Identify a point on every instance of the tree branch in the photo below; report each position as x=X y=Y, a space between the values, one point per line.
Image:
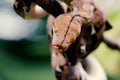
x=111 y=42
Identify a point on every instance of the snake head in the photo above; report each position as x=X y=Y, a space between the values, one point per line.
x=66 y=28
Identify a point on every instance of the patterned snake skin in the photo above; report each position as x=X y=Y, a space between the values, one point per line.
x=75 y=29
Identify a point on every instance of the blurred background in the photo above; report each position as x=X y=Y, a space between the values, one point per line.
x=24 y=47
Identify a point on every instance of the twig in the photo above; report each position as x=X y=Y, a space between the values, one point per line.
x=111 y=42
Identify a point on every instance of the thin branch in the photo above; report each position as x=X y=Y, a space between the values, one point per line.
x=111 y=42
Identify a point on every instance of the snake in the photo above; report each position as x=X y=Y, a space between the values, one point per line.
x=75 y=29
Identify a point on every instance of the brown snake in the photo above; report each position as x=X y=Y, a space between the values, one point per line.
x=73 y=34
x=76 y=34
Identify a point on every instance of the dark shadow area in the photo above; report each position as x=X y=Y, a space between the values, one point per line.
x=26 y=50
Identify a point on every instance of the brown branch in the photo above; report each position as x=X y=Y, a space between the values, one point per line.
x=111 y=42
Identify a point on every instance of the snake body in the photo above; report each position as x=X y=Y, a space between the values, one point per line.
x=75 y=29
x=75 y=35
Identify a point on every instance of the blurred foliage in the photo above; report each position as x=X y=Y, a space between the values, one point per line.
x=30 y=59
x=110 y=59
x=25 y=60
